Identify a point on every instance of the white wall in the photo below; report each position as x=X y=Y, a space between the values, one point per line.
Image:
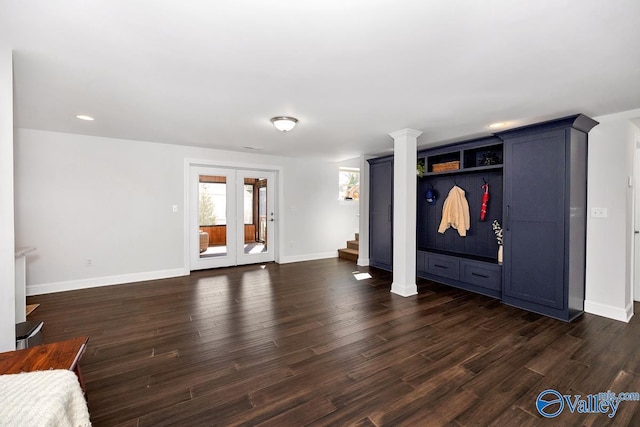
x=350 y=210
x=609 y=240
x=7 y=257
x=636 y=214
x=81 y=197
x=317 y=224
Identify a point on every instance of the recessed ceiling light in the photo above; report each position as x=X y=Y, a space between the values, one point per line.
x=84 y=117
x=497 y=125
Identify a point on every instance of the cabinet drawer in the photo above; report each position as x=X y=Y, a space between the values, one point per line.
x=481 y=274
x=442 y=265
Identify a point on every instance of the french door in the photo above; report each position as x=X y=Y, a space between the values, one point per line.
x=231 y=217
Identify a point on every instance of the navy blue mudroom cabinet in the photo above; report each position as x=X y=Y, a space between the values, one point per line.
x=537 y=176
x=469 y=262
x=545 y=211
x=381 y=213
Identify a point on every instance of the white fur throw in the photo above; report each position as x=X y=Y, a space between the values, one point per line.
x=42 y=398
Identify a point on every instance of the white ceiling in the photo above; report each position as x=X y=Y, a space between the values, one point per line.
x=212 y=73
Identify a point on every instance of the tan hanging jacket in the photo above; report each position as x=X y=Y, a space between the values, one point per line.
x=455 y=212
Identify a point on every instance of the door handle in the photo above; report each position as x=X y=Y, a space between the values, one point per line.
x=480 y=275
x=508 y=220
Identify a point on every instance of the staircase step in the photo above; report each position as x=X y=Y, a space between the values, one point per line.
x=353 y=244
x=349 y=254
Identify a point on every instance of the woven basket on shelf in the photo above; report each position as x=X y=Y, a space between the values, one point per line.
x=446 y=166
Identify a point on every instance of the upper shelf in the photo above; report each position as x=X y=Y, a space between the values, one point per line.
x=464 y=170
x=475 y=158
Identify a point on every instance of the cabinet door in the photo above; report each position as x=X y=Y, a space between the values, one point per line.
x=534 y=219
x=380 y=214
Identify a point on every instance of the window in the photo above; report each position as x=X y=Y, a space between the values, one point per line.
x=349 y=184
x=248 y=203
x=213 y=203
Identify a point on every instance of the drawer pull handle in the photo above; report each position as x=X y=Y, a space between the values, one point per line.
x=480 y=275
x=440 y=266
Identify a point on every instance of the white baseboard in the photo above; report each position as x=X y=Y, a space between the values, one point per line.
x=308 y=257
x=404 y=290
x=94 y=282
x=609 y=311
x=363 y=262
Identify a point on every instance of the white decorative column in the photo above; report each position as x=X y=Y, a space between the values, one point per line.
x=404 y=211
x=363 y=252
x=7 y=229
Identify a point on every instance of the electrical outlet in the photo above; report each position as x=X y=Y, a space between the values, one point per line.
x=174 y=208
x=88 y=262
x=598 y=212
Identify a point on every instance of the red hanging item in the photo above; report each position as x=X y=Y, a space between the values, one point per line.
x=485 y=201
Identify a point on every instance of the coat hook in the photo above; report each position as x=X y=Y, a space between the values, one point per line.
x=485 y=181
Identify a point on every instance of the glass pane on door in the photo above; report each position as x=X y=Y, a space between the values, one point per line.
x=212 y=215
x=262 y=213
x=254 y=222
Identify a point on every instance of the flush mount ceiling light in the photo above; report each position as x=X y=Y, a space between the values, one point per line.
x=284 y=123
x=497 y=125
x=84 y=117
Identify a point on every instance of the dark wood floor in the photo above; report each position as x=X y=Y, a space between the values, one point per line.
x=307 y=344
